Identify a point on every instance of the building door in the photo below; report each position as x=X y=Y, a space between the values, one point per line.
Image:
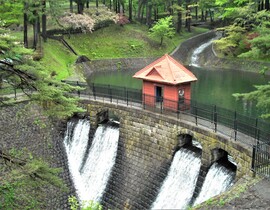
x=158 y=94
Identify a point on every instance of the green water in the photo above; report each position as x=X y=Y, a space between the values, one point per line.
x=213 y=87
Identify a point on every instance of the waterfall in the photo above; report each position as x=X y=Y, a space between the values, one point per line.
x=178 y=187
x=218 y=179
x=194 y=60
x=90 y=179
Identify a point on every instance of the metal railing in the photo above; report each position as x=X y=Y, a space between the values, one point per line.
x=261 y=159
x=219 y=119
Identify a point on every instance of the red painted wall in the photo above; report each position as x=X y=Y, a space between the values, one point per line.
x=170 y=94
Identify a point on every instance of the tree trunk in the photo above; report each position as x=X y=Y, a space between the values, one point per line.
x=196 y=12
x=87 y=4
x=141 y=20
x=71 y=6
x=130 y=10
x=161 y=41
x=44 y=21
x=202 y=15
x=259 y=5
x=211 y=16
x=110 y=4
x=140 y=4
x=179 y=17
x=25 y=23
x=149 y=14
x=155 y=12
x=267 y=5
x=188 y=16
x=96 y=3
x=35 y=31
x=262 y=5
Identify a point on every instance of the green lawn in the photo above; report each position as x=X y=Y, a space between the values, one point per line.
x=132 y=40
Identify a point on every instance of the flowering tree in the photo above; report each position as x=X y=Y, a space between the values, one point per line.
x=121 y=19
x=78 y=21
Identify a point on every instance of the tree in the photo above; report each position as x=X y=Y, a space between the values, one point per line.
x=163 y=28
x=19 y=71
x=261 y=96
x=78 y=21
x=25 y=179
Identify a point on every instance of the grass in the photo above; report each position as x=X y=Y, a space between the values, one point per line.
x=58 y=59
x=132 y=40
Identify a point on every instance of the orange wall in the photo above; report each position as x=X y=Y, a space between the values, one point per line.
x=170 y=92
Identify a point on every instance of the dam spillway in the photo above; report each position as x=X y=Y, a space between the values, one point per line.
x=90 y=176
x=91 y=163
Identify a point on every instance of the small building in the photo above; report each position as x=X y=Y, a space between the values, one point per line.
x=166 y=83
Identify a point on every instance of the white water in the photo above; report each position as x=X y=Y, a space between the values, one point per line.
x=178 y=187
x=194 y=60
x=90 y=179
x=217 y=180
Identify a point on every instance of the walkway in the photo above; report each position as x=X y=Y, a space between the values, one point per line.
x=229 y=133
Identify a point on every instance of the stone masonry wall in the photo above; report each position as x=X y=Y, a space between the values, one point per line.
x=145 y=151
x=183 y=52
x=24 y=127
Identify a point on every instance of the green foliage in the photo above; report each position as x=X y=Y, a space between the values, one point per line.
x=248 y=35
x=261 y=96
x=260 y=44
x=11 y=12
x=229 y=43
x=24 y=181
x=86 y=205
x=163 y=28
x=19 y=70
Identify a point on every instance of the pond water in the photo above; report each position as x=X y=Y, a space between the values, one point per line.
x=213 y=86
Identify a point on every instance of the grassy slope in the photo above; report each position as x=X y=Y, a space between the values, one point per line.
x=58 y=59
x=132 y=40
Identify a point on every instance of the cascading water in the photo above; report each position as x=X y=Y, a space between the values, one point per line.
x=218 y=180
x=194 y=60
x=90 y=176
x=178 y=187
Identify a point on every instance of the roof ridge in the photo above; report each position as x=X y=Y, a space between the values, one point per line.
x=182 y=67
x=151 y=64
x=169 y=64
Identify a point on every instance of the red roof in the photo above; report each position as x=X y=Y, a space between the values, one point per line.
x=166 y=70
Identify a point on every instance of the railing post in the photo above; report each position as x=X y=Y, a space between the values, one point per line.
x=94 y=91
x=256 y=128
x=253 y=157
x=235 y=125
x=126 y=95
x=161 y=103
x=195 y=113
x=215 y=117
x=143 y=101
x=78 y=91
x=15 y=93
x=110 y=92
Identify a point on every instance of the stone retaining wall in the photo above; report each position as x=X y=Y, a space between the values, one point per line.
x=114 y=64
x=184 y=51
x=145 y=151
x=24 y=126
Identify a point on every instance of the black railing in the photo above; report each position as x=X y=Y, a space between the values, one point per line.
x=261 y=159
x=219 y=119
